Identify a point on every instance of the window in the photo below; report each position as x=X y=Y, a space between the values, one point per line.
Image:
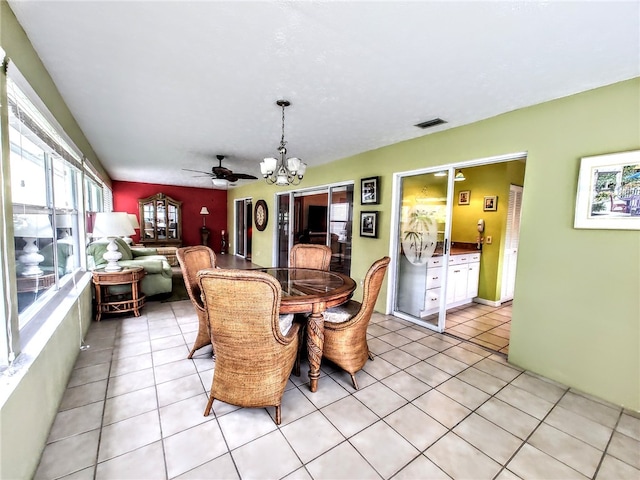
x=46 y=197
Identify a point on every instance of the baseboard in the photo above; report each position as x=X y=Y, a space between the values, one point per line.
x=483 y=301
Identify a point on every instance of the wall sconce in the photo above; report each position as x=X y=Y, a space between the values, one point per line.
x=459 y=176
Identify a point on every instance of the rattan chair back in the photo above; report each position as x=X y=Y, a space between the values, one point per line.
x=253 y=358
x=345 y=343
x=310 y=255
x=192 y=260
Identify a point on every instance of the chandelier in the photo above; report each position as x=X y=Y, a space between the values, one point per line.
x=289 y=172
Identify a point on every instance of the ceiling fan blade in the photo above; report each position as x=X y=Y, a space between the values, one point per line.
x=232 y=178
x=197 y=171
x=245 y=176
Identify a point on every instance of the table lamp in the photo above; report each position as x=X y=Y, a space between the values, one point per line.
x=112 y=225
x=134 y=223
x=31 y=227
x=64 y=224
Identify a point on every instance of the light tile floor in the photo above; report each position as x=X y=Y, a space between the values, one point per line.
x=481 y=324
x=429 y=406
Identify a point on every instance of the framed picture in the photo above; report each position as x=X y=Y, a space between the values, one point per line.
x=608 y=195
x=463 y=197
x=490 y=203
x=369 y=191
x=369 y=224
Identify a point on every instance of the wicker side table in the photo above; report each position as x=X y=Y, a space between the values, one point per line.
x=108 y=302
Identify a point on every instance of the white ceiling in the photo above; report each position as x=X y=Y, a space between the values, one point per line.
x=158 y=86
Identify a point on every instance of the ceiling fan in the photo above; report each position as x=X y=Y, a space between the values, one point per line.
x=222 y=173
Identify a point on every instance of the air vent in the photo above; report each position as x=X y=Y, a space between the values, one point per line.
x=430 y=123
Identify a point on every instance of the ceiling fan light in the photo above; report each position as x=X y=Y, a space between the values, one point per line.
x=219 y=182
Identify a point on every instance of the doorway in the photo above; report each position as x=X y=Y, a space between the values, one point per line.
x=455 y=249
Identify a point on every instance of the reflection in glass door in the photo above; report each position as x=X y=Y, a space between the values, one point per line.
x=322 y=216
x=243 y=223
x=284 y=240
x=423 y=248
x=340 y=222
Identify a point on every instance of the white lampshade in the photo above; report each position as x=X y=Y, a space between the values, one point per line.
x=204 y=211
x=32 y=226
x=459 y=177
x=293 y=164
x=268 y=165
x=281 y=179
x=220 y=183
x=112 y=225
x=64 y=220
x=133 y=220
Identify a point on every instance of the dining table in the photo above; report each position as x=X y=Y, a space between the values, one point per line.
x=306 y=290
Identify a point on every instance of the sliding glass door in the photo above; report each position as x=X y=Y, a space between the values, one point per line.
x=323 y=216
x=422 y=252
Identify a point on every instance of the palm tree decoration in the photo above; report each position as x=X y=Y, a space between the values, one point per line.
x=420 y=234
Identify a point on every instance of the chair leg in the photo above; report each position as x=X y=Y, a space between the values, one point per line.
x=296 y=365
x=370 y=356
x=207 y=410
x=353 y=380
x=278 y=415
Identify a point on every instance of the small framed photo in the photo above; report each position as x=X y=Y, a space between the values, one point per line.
x=608 y=194
x=369 y=224
x=491 y=203
x=463 y=197
x=369 y=191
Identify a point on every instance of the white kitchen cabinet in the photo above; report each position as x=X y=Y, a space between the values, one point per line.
x=463 y=274
x=473 y=279
x=457 y=283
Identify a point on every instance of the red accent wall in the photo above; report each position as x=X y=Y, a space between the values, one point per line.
x=126 y=195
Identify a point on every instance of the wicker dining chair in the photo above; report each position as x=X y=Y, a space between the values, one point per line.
x=345 y=326
x=191 y=260
x=307 y=255
x=310 y=255
x=254 y=351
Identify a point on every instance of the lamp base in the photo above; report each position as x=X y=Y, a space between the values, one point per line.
x=112 y=255
x=204 y=236
x=30 y=259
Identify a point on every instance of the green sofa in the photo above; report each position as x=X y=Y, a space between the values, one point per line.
x=158 y=271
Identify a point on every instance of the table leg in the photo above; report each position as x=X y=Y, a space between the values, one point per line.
x=315 y=343
x=98 y=290
x=134 y=295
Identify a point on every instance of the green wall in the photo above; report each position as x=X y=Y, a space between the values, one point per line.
x=576 y=308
